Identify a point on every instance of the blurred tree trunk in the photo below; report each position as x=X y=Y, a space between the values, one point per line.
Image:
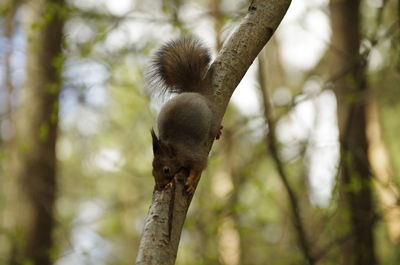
x=387 y=191
x=350 y=88
x=6 y=139
x=216 y=13
x=8 y=26
x=37 y=122
x=226 y=187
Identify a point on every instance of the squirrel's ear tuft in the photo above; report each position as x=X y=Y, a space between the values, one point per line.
x=156 y=142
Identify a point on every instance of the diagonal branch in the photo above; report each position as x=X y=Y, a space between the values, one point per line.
x=167 y=213
x=272 y=145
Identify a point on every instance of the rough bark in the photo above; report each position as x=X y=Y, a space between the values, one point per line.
x=168 y=210
x=351 y=94
x=37 y=122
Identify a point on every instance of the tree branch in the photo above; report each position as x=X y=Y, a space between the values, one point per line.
x=167 y=213
x=272 y=145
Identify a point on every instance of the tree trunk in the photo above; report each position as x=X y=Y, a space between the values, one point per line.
x=37 y=122
x=351 y=92
x=7 y=191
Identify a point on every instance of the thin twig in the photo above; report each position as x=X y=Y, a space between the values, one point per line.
x=272 y=145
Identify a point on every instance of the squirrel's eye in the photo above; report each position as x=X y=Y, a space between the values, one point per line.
x=166 y=170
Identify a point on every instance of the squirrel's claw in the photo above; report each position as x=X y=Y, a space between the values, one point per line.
x=219 y=133
x=190 y=190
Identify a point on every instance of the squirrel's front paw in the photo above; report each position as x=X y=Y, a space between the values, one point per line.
x=219 y=133
x=192 y=180
x=189 y=185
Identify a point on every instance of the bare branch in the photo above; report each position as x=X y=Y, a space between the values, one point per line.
x=272 y=145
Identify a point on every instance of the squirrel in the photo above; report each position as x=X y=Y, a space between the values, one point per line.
x=188 y=121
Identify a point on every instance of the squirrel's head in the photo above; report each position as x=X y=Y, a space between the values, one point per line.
x=165 y=164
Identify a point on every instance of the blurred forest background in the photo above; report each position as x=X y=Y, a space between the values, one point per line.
x=306 y=171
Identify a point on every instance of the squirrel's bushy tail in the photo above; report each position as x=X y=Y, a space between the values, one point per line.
x=180 y=66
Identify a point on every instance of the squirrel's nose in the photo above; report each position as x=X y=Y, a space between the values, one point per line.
x=166 y=170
